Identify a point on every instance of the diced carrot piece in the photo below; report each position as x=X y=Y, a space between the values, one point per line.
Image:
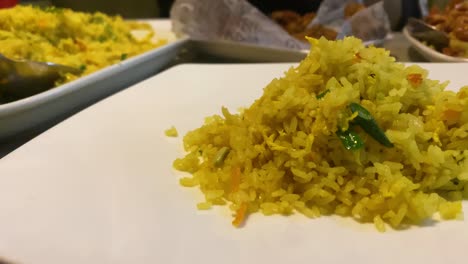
x=357 y=57
x=42 y=23
x=240 y=215
x=80 y=44
x=451 y=115
x=415 y=79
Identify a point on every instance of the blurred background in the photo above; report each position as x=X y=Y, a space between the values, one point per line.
x=398 y=10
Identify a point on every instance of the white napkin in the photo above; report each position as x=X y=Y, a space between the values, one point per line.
x=239 y=21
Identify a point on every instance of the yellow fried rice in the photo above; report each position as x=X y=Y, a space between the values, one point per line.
x=282 y=154
x=88 y=41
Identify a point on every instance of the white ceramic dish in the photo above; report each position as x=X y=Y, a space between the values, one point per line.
x=428 y=53
x=23 y=115
x=100 y=188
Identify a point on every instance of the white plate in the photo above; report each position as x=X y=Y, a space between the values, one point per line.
x=428 y=53
x=100 y=188
x=23 y=115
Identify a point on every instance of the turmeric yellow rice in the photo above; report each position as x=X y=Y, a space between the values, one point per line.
x=88 y=41
x=347 y=132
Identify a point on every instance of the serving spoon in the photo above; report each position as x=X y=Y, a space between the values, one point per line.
x=23 y=78
x=428 y=34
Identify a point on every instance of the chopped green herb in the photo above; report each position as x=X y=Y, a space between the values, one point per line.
x=102 y=38
x=367 y=122
x=82 y=67
x=109 y=32
x=350 y=139
x=221 y=156
x=322 y=94
x=96 y=19
x=51 y=9
x=362 y=112
x=123 y=56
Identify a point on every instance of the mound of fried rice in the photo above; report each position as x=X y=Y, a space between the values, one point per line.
x=88 y=41
x=281 y=155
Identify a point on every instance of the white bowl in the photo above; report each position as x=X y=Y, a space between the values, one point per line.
x=428 y=53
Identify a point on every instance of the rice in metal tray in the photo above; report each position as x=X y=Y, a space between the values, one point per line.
x=86 y=41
